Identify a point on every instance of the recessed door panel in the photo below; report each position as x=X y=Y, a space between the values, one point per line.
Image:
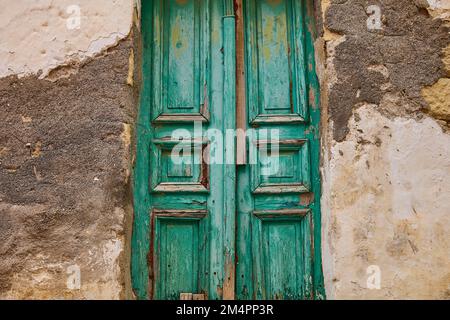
x=282 y=250
x=275 y=61
x=178 y=248
x=181 y=60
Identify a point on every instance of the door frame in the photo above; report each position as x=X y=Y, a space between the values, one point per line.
x=141 y=246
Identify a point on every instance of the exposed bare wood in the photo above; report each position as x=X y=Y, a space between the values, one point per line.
x=167 y=118
x=281 y=213
x=180 y=213
x=198 y=297
x=278 y=119
x=185 y=296
x=284 y=142
x=180 y=187
x=282 y=188
x=170 y=141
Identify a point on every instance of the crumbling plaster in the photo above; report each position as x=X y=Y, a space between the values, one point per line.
x=385 y=149
x=65 y=149
x=37 y=36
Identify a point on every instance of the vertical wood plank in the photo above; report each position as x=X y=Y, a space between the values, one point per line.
x=241 y=114
x=141 y=228
x=314 y=136
x=229 y=183
x=215 y=199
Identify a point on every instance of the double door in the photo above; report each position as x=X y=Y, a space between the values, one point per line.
x=226 y=180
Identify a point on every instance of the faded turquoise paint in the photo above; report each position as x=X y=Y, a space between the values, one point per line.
x=229 y=168
x=177 y=240
x=184 y=236
x=278 y=234
x=313 y=135
x=282 y=247
x=181 y=60
x=182 y=214
x=275 y=62
x=142 y=200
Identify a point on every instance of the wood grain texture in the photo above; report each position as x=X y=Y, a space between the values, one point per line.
x=241 y=107
x=178 y=240
x=229 y=181
x=276 y=77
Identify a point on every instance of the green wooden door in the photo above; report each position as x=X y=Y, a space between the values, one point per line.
x=279 y=190
x=204 y=224
x=184 y=205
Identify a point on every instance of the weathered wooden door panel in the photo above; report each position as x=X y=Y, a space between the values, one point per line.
x=275 y=60
x=277 y=202
x=282 y=255
x=180 y=252
x=180 y=216
x=181 y=96
x=181 y=60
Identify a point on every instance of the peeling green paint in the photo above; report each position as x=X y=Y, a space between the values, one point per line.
x=188 y=217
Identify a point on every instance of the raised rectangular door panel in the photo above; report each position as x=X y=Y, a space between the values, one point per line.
x=181 y=61
x=282 y=254
x=276 y=84
x=288 y=170
x=179 y=249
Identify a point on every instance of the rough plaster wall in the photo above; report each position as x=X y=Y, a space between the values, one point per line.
x=34 y=37
x=386 y=149
x=65 y=149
